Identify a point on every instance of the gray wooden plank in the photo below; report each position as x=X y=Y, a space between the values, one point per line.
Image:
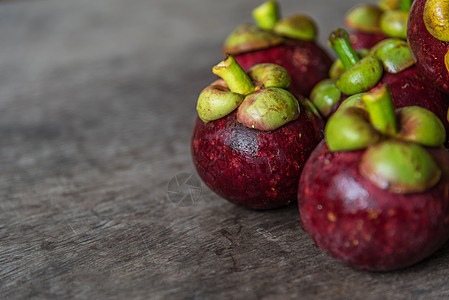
x=97 y=102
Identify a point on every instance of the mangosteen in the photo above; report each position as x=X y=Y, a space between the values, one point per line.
x=288 y=42
x=253 y=136
x=374 y=193
x=428 y=36
x=371 y=23
x=388 y=62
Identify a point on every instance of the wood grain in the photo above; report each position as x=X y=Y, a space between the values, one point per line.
x=97 y=102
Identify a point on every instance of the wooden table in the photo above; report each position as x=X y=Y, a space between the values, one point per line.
x=97 y=102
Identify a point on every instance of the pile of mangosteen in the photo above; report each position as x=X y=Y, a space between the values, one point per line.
x=357 y=141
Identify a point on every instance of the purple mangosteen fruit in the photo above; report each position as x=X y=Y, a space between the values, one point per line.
x=428 y=36
x=388 y=62
x=288 y=42
x=371 y=23
x=374 y=193
x=253 y=135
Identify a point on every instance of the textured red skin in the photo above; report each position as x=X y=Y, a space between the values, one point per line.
x=252 y=168
x=360 y=39
x=428 y=51
x=305 y=61
x=367 y=227
x=409 y=88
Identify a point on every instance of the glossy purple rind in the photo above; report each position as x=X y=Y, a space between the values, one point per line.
x=252 y=168
x=366 y=227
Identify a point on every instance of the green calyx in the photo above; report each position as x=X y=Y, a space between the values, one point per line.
x=269 y=30
x=361 y=77
x=248 y=37
x=266 y=15
x=337 y=68
x=421 y=126
x=412 y=124
x=324 y=96
x=260 y=95
x=388 y=16
x=395 y=55
x=358 y=71
x=353 y=101
x=364 y=17
x=394 y=23
x=395 y=158
x=216 y=101
x=403 y=5
x=436 y=18
x=268 y=109
x=388 y=4
x=361 y=74
x=400 y=167
x=297 y=27
x=349 y=129
x=269 y=75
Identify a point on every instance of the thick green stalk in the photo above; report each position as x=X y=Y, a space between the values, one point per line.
x=381 y=110
x=339 y=42
x=236 y=78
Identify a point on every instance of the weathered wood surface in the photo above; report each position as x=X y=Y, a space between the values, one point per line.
x=97 y=101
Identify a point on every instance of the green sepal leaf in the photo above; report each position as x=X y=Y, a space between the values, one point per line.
x=216 y=101
x=268 y=109
x=395 y=55
x=364 y=75
x=400 y=167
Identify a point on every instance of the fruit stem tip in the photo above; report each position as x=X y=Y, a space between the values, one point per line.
x=381 y=110
x=339 y=42
x=235 y=77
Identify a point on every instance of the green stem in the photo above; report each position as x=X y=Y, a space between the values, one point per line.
x=381 y=110
x=339 y=42
x=266 y=15
x=236 y=78
x=405 y=5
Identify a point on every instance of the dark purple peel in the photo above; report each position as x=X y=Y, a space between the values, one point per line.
x=367 y=227
x=375 y=193
x=252 y=168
